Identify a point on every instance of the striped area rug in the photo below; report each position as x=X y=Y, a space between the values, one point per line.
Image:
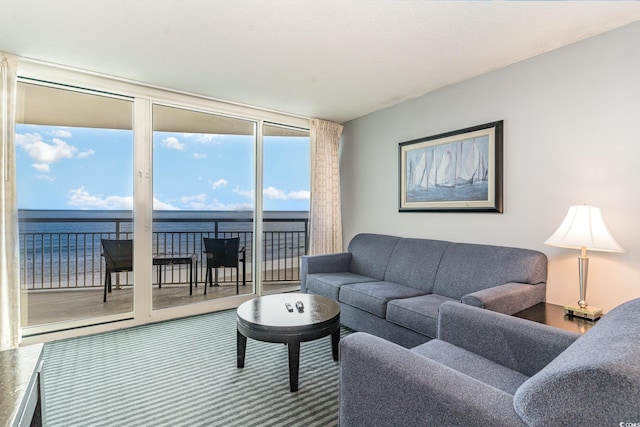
x=183 y=373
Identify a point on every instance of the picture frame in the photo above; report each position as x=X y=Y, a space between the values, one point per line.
x=458 y=171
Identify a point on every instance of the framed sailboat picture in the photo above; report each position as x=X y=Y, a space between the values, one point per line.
x=459 y=171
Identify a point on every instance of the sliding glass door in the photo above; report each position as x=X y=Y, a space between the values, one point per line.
x=127 y=194
x=203 y=187
x=74 y=166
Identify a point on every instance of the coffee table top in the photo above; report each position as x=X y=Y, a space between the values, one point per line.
x=269 y=312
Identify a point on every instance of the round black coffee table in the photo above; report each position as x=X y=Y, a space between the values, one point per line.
x=268 y=319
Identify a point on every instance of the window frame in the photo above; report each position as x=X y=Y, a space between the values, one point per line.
x=144 y=97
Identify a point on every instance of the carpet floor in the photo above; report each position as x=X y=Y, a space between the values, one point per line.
x=183 y=373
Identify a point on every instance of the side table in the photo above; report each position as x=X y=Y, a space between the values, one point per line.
x=553 y=315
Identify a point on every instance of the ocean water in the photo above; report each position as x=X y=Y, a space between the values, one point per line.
x=61 y=248
x=471 y=192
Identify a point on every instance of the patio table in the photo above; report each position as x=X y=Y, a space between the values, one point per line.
x=189 y=260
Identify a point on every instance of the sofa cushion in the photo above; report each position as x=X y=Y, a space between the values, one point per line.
x=373 y=297
x=594 y=378
x=370 y=254
x=328 y=284
x=420 y=314
x=471 y=364
x=414 y=263
x=467 y=268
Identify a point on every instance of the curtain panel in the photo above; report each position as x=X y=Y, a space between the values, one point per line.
x=325 y=214
x=9 y=250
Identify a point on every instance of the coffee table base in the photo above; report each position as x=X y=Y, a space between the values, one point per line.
x=294 y=355
x=271 y=318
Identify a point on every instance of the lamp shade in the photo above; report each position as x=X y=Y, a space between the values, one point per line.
x=583 y=227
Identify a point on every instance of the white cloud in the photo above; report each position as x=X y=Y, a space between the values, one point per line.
x=45 y=178
x=205 y=138
x=198 y=198
x=244 y=193
x=173 y=143
x=162 y=206
x=274 y=193
x=42 y=167
x=86 y=154
x=299 y=195
x=61 y=133
x=219 y=183
x=200 y=202
x=82 y=199
x=45 y=153
x=199 y=156
x=197 y=205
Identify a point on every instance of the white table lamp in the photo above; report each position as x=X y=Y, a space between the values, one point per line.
x=583 y=228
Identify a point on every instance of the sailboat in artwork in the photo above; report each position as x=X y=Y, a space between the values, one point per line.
x=431 y=181
x=446 y=174
x=415 y=171
x=421 y=170
x=461 y=163
x=472 y=165
x=456 y=164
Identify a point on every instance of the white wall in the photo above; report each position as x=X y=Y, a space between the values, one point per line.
x=571 y=136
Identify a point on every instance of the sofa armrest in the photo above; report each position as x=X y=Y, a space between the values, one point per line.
x=509 y=298
x=384 y=384
x=329 y=263
x=519 y=344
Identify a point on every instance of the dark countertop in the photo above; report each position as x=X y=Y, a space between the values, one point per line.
x=18 y=370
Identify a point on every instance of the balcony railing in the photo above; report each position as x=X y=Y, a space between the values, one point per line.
x=52 y=259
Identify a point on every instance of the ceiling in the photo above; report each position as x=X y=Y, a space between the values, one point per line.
x=330 y=59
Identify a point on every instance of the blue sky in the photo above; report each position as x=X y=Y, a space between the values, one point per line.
x=82 y=168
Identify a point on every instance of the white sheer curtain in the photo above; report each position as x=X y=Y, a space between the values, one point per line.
x=9 y=252
x=325 y=215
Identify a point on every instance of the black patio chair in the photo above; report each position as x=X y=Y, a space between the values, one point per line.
x=224 y=253
x=118 y=257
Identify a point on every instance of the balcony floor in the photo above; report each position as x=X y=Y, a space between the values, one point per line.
x=45 y=307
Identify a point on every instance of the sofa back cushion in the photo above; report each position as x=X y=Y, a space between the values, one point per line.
x=466 y=268
x=370 y=254
x=595 y=381
x=414 y=263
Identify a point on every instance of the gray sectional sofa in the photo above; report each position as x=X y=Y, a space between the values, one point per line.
x=392 y=287
x=489 y=369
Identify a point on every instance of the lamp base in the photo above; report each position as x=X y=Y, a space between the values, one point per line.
x=588 y=312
